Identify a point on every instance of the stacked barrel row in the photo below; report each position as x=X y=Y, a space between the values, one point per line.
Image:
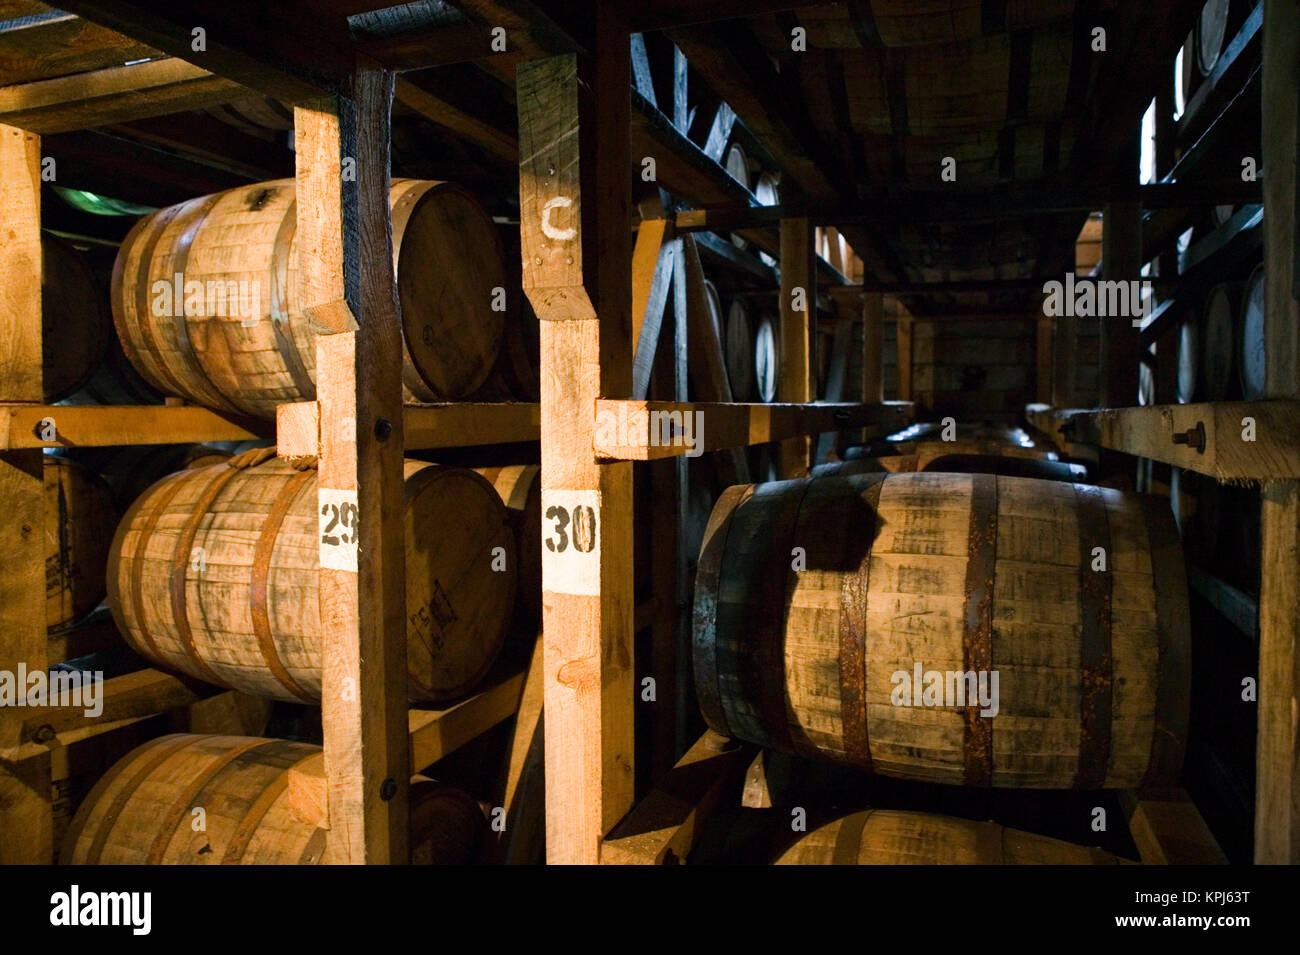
x=212 y=570
x=819 y=599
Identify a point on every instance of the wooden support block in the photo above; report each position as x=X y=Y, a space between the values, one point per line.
x=308 y=794
x=798 y=302
x=435 y=733
x=452 y=425
x=1230 y=441
x=575 y=219
x=26 y=821
x=652 y=430
x=347 y=285
x=99 y=426
x=1168 y=829
x=666 y=825
x=653 y=262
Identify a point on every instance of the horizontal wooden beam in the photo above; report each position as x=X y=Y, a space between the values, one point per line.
x=649 y=430
x=989 y=204
x=435 y=733
x=454 y=425
x=665 y=826
x=30 y=731
x=114 y=95
x=98 y=426
x=1230 y=441
x=1238 y=608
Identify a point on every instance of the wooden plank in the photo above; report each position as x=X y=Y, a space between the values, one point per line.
x=798 y=300
x=438 y=111
x=346 y=260
x=26 y=822
x=666 y=825
x=873 y=347
x=652 y=430
x=1237 y=607
x=1122 y=261
x=120 y=701
x=98 y=426
x=575 y=206
x=841 y=340
x=63 y=45
x=1277 y=746
x=523 y=793
x=435 y=733
x=450 y=425
x=904 y=345
x=114 y=95
x=1228 y=456
x=1168 y=829
x=1277 y=751
x=653 y=259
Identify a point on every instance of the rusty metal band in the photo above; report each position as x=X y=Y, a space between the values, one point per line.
x=848 y=841
x=989 y=848
x=257 y=810
x=1096 y=665
x=180 y=260
x=704 y=615
x=82 y=818
x=162 y=378
x=143 y=769
x=1173 y=665
x=258 y=584
x=136 y=592
x=281 y=323
x=314 y=850
x=180 y=567
x=977 y=635
x=763 y=669
x=174 y=818
x=855 y=588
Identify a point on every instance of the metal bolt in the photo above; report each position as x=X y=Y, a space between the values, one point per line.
x=388 y=789
x=44 y=734
x=1192 y=437
x=383 y=429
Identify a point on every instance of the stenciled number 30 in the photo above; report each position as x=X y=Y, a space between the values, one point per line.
x=583 y=530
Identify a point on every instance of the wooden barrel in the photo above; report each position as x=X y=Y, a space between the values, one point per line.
x=214 y=572
x=1185 y=78
x=890 y=837
x=768 y=192
x=1217 y=346
x=1189 y=359
x=130 y=470
x=1211 y=31
x=143 y=810
x=947 y=574
x=520 y=488
x=115 y=381
x=248 y=347
x=767 y=357
x=737 y=165
x=1253 y=353
x=75 y=326
x=79 y=520
x=926 y=452
x=738 y=343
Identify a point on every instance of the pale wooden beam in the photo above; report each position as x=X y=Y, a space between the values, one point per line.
x=26 y=823
x=798 y=301
x=347 y=289
x=571 y=267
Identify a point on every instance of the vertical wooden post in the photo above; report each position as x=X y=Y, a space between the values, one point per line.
x=1121 y=260
x=345 y=256
x=904 y=333
x=1277 y=756
x=26 y=821
x=873 y=347
x=1043 y=378
x=574 y=215
x=798 y=305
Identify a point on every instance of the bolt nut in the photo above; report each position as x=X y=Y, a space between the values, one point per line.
x=388 y=789
x=1192 y=437
x=44 y=734
x=383 y=429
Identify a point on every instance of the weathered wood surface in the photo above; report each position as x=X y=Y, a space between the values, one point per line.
x=451 y=425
